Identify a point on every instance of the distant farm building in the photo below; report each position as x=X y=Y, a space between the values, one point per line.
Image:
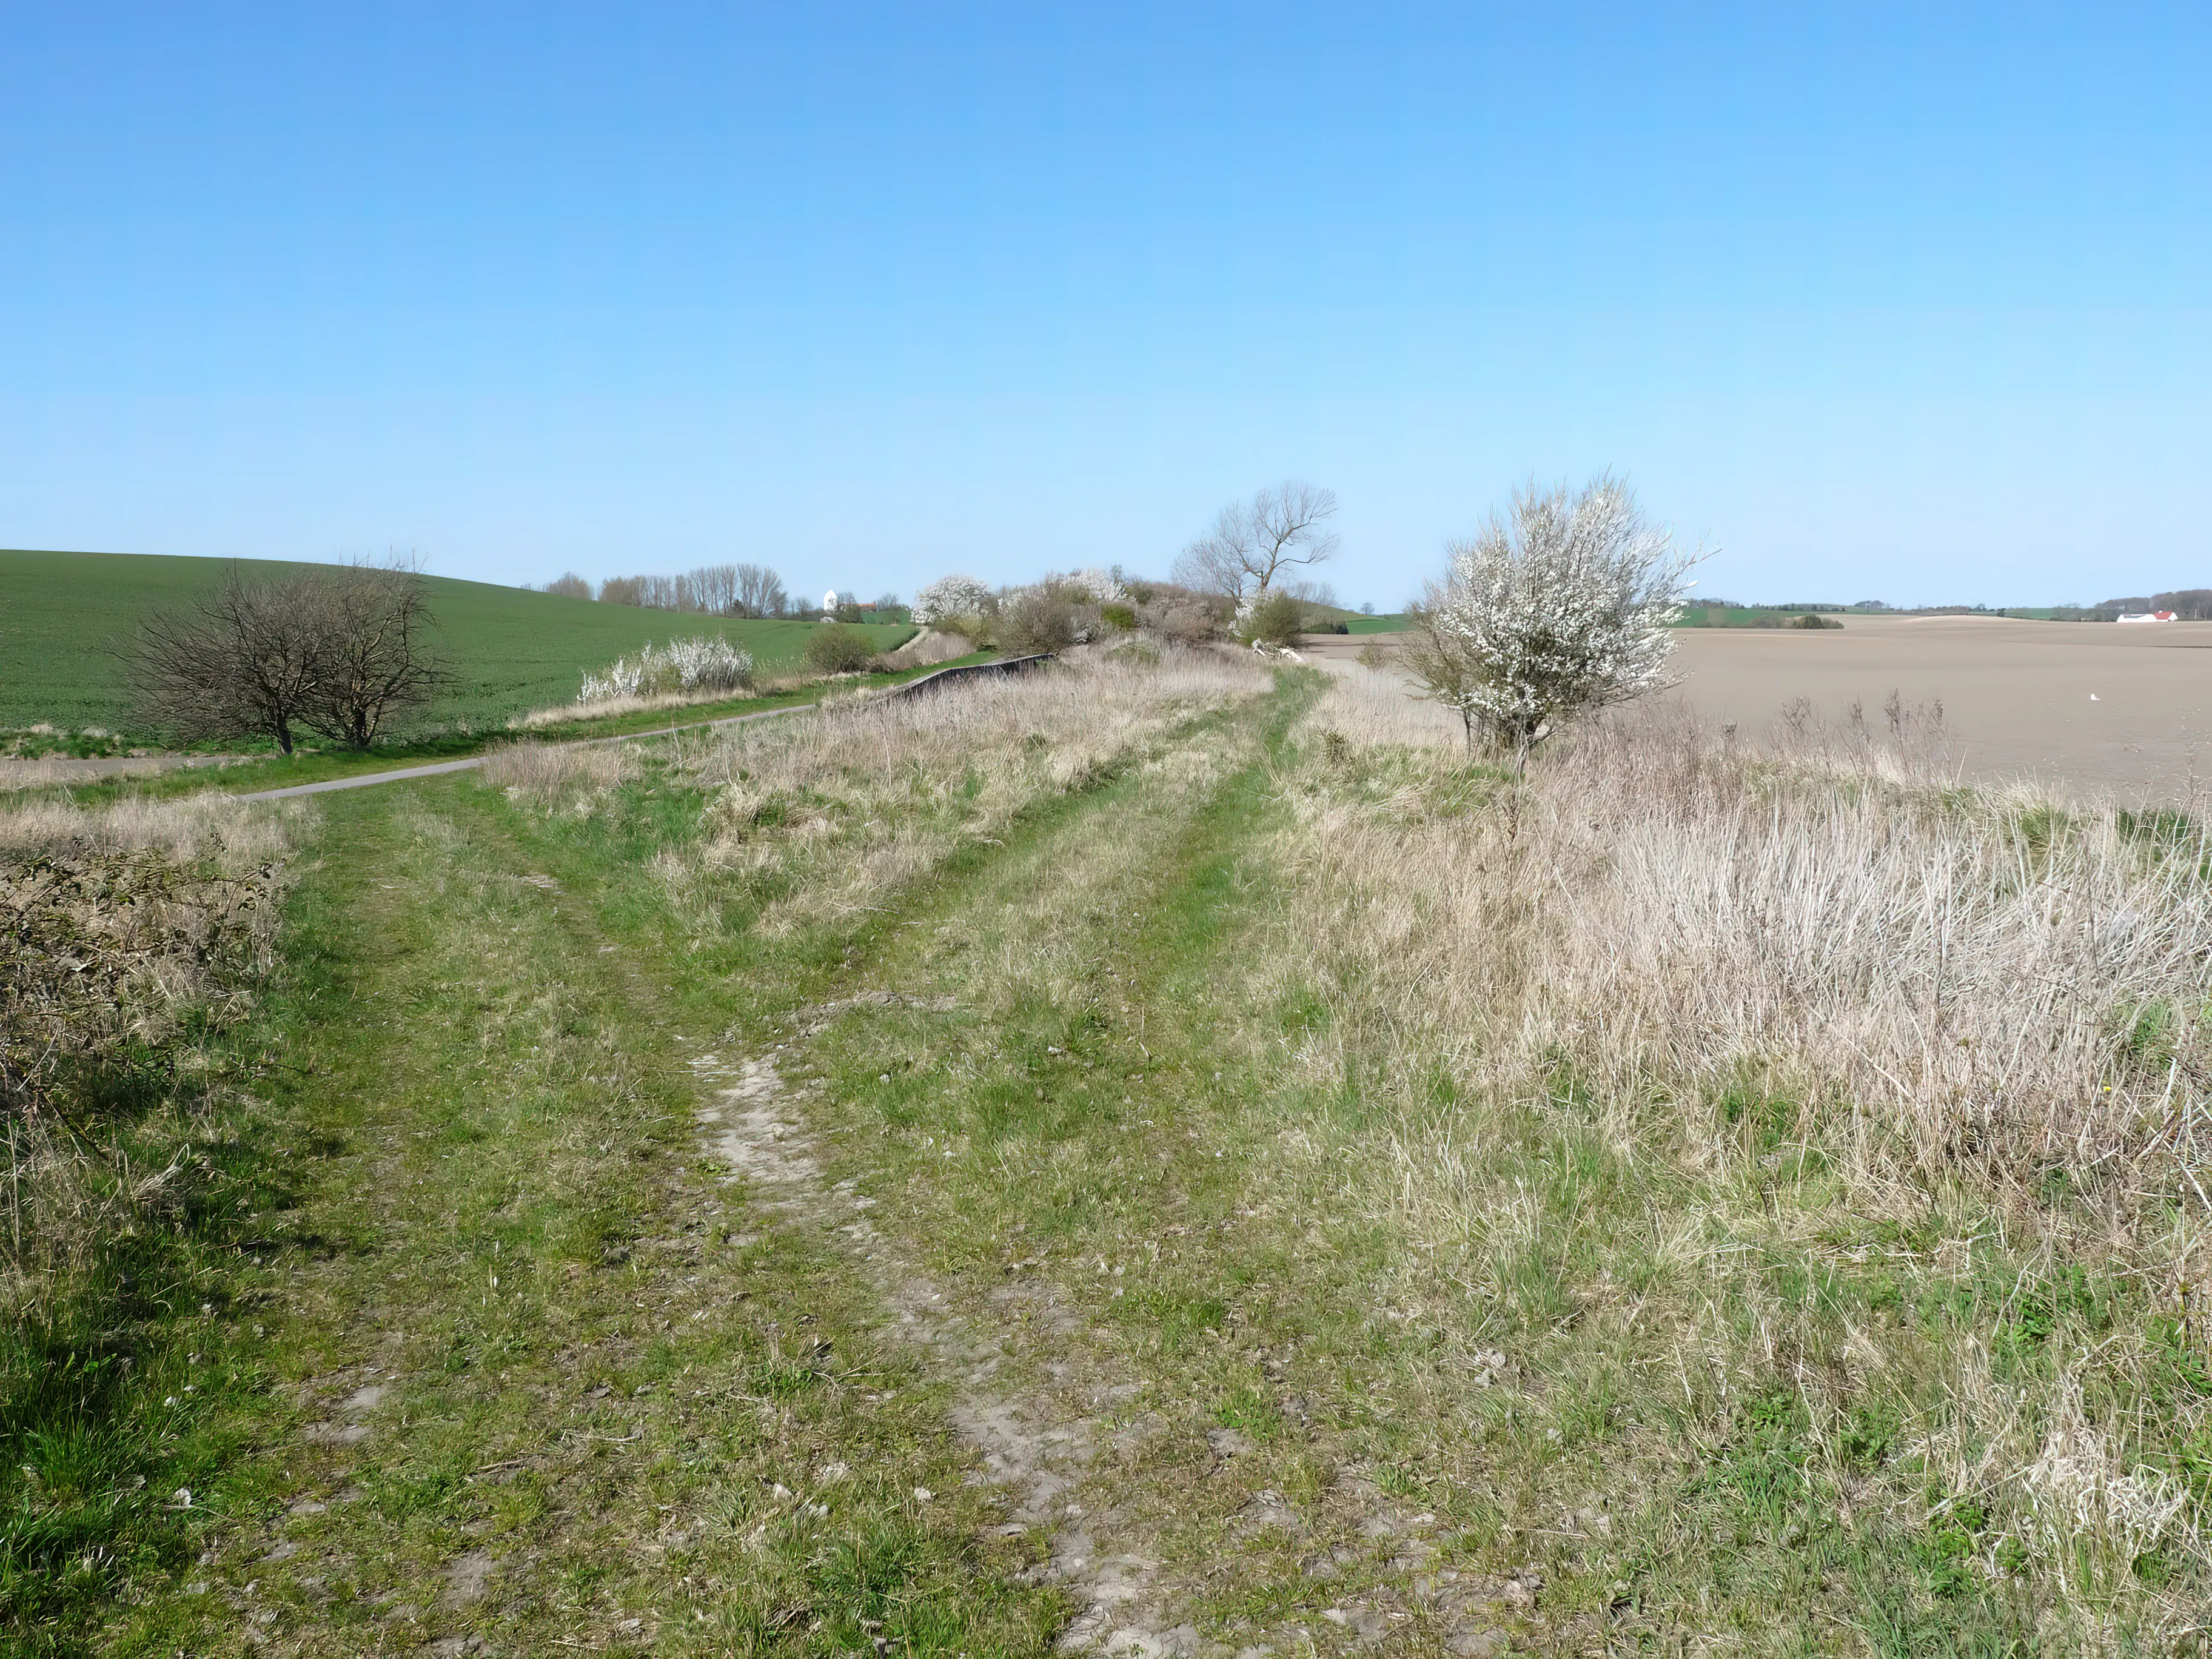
x=2147 y=616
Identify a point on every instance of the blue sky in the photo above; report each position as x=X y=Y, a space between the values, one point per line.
x=1906 y=302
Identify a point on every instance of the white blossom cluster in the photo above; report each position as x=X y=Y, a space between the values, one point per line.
x=949 y=596
x=1103 y=587
x=705 y=662
x=1561 y=608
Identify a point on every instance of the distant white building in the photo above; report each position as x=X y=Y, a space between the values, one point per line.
x=2147 y=616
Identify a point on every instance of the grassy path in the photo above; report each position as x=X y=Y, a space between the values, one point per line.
x=517 y=1369
x=990 y=1263
x=1088 y=1149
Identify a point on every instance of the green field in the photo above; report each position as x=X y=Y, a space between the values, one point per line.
x=61 y=614
x=1356 y=622
x=1744 y=616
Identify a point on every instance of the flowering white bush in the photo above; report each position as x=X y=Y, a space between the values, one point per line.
x=705 y=662
x=1559 y=608
x=1098 y=587
x=949 y=596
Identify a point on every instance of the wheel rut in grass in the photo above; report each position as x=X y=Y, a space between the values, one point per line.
x=1057 y=1423
x=1034 y=1459
x=1035 y=1452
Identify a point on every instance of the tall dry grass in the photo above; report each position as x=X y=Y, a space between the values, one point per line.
x=825 y=813
x=1954 y=984
x=561 y=776
x=119 y=925
x=872 y=794
x=1807 y=1000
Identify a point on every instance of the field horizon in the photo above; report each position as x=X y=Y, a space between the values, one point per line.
x=516 y=650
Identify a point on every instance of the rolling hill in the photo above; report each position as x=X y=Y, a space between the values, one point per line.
x=62 y=616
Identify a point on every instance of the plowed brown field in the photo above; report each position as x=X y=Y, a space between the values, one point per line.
x=2095 y=706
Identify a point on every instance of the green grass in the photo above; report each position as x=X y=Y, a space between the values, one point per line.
x=270 y=770
x=1745 y=616
x=1132 y=1117
x=61 y=613
x=460 y=1167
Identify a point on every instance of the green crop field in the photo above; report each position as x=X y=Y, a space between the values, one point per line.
x=1359 y=622
x=1747 y=615
x=62 y=614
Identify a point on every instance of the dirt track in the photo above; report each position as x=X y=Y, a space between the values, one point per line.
x=2097 y=707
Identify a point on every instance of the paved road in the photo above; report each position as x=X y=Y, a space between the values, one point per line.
x=912 y=688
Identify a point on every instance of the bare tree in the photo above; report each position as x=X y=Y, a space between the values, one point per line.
x=714 y=589
x=759 y=592
x=372 y=654
x=338 y=652
x=242 y=663
x=1254 y=543
x=569 y=586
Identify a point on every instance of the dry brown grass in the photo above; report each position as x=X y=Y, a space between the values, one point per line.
x=118 y=924
x=564 y=777
x=825 y=814
x=1959 y=985
x=1816 y=1003
x=878 y=792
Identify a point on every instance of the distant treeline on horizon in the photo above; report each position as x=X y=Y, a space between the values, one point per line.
x=712 y=590
x=2187 y=604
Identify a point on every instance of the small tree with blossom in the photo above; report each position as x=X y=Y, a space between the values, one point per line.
x=948 y=598
x=1552 y=611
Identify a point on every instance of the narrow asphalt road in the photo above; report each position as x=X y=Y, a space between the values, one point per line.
x=474 y=760
x=962 y=671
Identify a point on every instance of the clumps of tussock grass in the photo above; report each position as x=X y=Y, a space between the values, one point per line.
x=819 y=817
x=569 y=778
x=1866 y=1109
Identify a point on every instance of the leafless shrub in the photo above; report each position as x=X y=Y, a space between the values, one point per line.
x=1034 y=621
x=340 y=651
x=373 y=658
x=1183 y=616
x=569 y=586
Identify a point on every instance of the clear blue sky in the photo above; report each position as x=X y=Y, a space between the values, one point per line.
x=1900 y=301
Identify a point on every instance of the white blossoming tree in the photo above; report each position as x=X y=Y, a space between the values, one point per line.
x=1556 y=609
x=949 y=596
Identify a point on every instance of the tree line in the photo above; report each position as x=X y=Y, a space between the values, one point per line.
x=712 y=590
